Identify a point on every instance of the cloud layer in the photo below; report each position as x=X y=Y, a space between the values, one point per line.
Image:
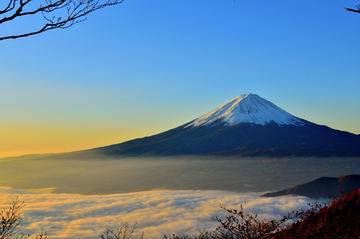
x=156 y=212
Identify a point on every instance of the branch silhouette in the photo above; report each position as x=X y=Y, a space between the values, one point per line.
x=354 y=10
x=56 y=13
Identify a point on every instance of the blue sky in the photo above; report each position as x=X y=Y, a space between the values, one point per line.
x=143 y=67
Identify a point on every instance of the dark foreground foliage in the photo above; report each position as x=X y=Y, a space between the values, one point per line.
x=339 y=218
x=11 y=221
x=124 y=231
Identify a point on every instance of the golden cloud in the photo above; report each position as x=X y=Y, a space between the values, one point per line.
x=156 y=212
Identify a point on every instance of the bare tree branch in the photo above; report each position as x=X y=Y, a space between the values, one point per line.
x=11 y=219
x=353 y=10
x=11 y=222
x=123 y=232
x=56 y=13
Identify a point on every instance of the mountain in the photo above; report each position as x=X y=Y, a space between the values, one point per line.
x=250 y=109
x=322 y=187
x=248 y=125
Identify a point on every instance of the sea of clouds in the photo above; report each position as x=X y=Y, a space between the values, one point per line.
x=156 y=212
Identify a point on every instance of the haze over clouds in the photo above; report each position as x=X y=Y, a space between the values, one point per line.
x=156 y=212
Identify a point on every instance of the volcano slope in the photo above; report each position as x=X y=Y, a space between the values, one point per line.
x=248 y=125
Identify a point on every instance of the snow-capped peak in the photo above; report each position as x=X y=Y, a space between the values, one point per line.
x=249 y=108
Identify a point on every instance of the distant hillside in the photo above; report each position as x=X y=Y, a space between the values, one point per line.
x=322 y=187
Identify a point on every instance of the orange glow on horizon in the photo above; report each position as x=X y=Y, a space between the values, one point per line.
x=21 y=140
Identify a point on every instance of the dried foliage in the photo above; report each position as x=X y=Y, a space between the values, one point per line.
x=241 y=225
x=11 y=220
x=337 y=218
x=340 y=219
x=122 y=232
x=55 y=13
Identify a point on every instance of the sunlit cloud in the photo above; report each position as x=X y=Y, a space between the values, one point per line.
x=156 y=212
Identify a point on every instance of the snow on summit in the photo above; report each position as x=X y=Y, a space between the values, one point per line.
x=249 y=108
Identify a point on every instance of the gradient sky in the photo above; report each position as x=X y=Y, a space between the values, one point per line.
x=143 y=67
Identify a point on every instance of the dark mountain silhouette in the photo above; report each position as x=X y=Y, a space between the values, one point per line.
x=248 y=125
x=322 y=187
x=243 y=140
